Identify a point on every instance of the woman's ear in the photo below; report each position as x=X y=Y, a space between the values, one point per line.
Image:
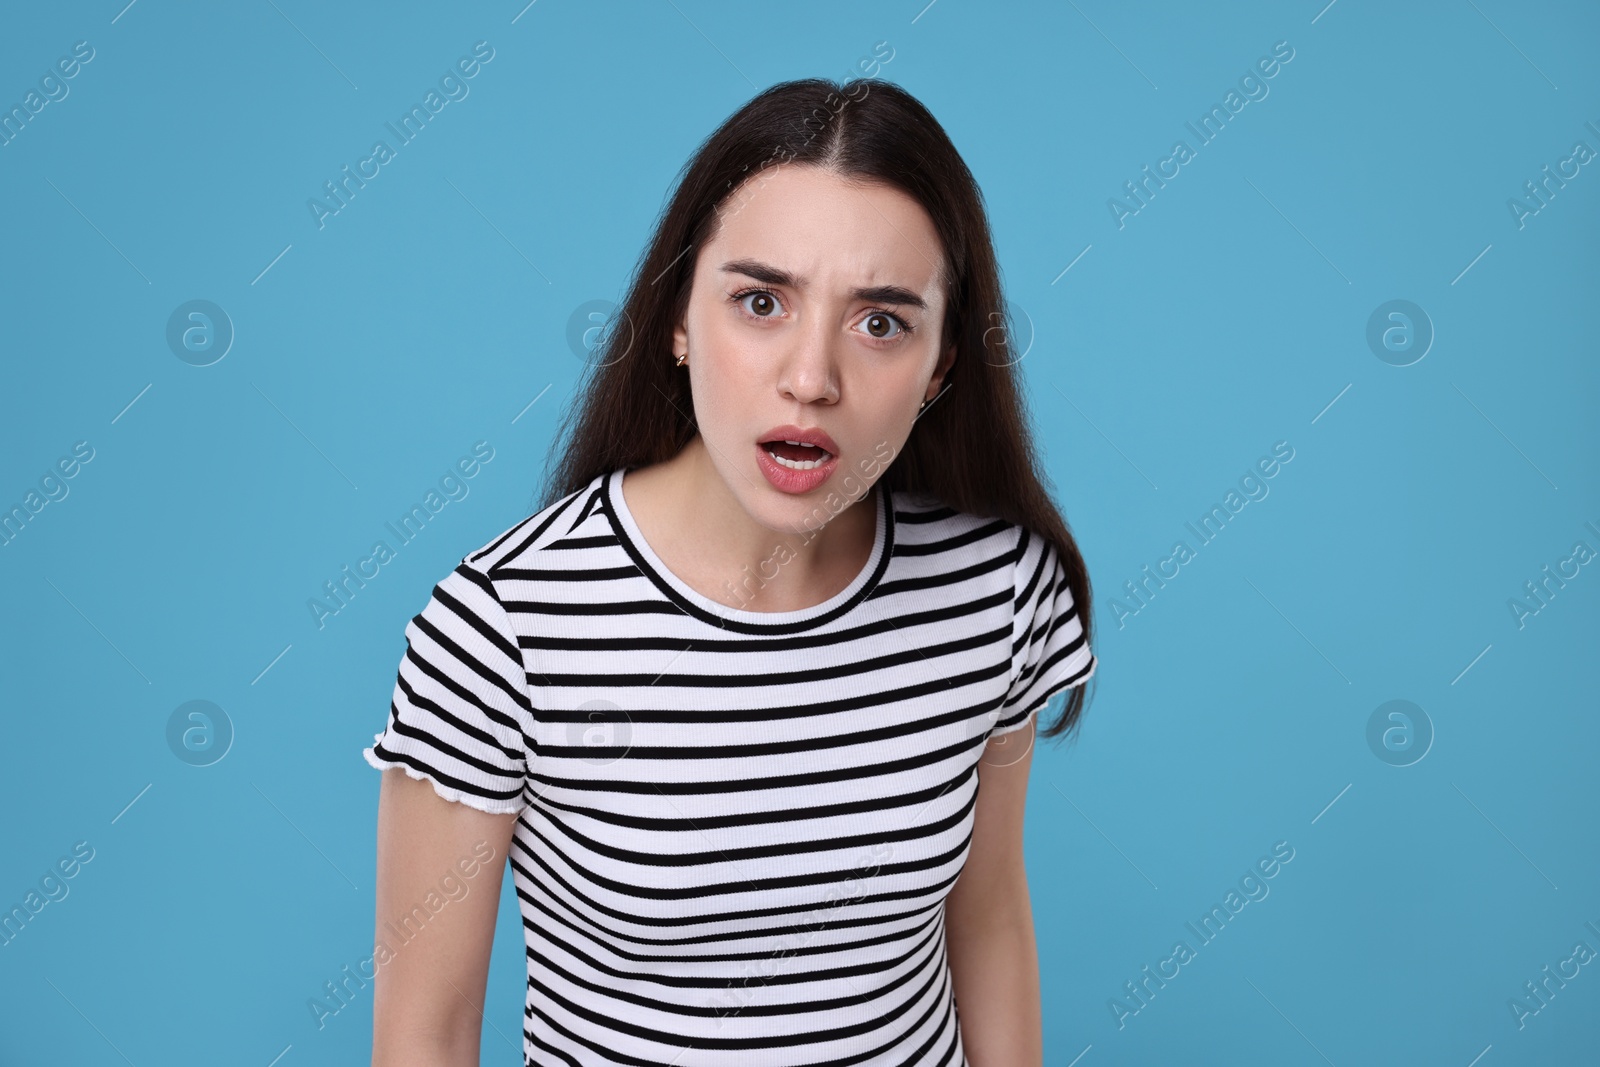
x=680 y=336
x=946 y=361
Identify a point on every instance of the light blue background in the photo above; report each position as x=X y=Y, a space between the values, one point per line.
x=1228 y=314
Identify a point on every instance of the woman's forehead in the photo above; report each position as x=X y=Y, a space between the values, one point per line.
x=827 y=232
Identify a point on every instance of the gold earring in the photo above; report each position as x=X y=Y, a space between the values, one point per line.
x=682 y=358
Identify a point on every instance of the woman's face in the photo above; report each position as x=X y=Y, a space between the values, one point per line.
x=817 y=306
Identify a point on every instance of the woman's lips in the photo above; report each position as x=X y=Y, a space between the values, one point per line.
x=788 y=479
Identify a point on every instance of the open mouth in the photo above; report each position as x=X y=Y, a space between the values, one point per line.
x=795 y=455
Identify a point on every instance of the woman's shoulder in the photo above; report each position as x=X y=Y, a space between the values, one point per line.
x=926 y=518
x=520 y=543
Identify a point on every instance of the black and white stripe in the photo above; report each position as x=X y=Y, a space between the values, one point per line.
x=737 y=829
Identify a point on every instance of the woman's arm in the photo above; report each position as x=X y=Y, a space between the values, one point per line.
x=427 y=999
x=989 y=919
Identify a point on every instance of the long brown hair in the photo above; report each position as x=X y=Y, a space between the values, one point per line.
x=634 y=408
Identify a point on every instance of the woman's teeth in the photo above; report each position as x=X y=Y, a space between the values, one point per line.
x=799 y=464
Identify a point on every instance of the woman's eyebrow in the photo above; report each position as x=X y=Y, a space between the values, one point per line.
x=769 y=275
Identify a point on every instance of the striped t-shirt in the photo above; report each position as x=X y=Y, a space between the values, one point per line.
x=737 y=829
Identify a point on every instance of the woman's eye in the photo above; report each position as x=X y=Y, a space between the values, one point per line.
x=759 y=302
x=881 y=325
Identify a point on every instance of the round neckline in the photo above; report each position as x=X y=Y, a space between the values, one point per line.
x=697 y=604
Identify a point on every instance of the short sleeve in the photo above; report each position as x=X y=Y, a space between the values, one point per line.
x=1049 y=653
x=460 y=714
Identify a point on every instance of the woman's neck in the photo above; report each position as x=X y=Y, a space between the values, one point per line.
x=700 y=528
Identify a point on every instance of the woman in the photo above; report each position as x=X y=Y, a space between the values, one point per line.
x=726 y=700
